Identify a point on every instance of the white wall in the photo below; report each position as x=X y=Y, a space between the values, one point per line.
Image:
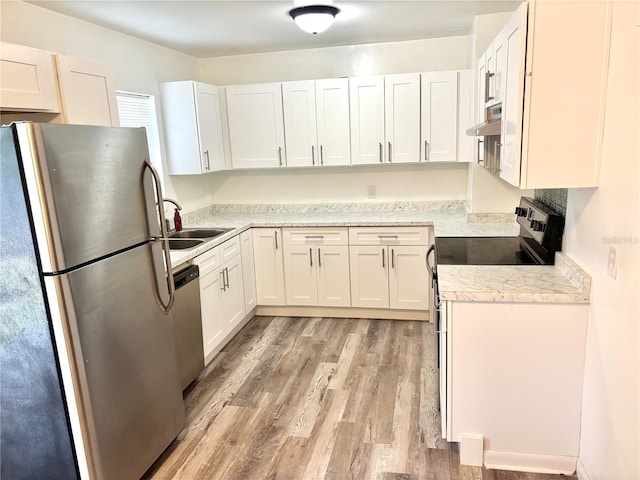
x=394 y=182
x=597 y=219
x=137 y=66
x=485 y=192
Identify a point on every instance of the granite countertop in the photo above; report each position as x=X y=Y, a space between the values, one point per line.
x=564 y=282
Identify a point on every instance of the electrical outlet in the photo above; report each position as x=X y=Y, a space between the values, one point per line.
x=371 y=191
x=612 y=268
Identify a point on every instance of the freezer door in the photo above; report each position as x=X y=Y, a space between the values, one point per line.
x=88 y=189
x=125 y=360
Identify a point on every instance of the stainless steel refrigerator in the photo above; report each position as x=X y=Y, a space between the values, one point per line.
x=106 y=287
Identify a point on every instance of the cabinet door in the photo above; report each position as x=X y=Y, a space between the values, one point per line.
x=213 y=327
x=514 y=42
x=300 y=270
x=88 y=98
x=232 y=294
x=490 y=65
x=440 y=116
x=209 y=127
x=248 y=270
x=500 y=60
x=481 y=91
x=27 y=79
x=267 y=249
x=299 y=102
x=402 y=118
x=256 y=125
x=368 y=267
x=332 y=103
x=334 y=288
x=408 y=278
x=366 y=99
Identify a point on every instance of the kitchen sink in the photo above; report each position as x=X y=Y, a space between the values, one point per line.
x=182 y=243
x=200 y=232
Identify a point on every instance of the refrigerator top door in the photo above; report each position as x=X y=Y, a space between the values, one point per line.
x=89 y=191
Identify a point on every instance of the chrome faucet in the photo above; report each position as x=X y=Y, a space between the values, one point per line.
x=166 y=220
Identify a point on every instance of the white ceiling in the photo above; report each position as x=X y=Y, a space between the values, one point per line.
x=216 y=28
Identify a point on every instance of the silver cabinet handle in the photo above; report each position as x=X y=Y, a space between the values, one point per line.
x=380 y=150
x=309 y=237
x=206 y=152
x=383 y=258
x=227 y=275
x=426 y=148
x=166 y=308
x=275 y=232
x=480 y=162
x=319 y=259
x=313 y=155
x=280 y=155
x=321 y=155
x=487 y=81
x=311 y=257
x=496 y=151
x=390 y=159
x=381 y=237
x=393 y=261
x=224 y=284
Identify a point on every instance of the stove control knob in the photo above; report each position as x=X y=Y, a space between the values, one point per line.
x=533 y=224
x=540 y=227
x=521 y=212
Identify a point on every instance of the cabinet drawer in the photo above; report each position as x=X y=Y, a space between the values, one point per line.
x=229 y=249
x=208 y=261
x=389 y=236
x=315 y=236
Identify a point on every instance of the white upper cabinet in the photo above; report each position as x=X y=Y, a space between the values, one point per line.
x=256 y=125
x=88 y=98
x=193 y=127
x=332 y=104
x=27 y=79
x=445 y=105
x=366 y=97
x=299 y=102
x=402 y=118
x=552 y=97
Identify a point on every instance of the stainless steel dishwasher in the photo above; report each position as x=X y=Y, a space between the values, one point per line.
x=187 y=324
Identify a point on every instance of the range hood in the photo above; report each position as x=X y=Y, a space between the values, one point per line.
x=484 y=129
x=493 y=124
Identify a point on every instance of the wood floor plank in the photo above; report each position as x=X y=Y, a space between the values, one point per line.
x=321 y=398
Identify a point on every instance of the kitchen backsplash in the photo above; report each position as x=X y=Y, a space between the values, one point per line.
x=555 y=198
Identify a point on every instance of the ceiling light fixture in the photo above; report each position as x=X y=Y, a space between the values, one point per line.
x=314 y=18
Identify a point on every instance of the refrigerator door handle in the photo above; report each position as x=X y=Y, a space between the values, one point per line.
x=165 y=243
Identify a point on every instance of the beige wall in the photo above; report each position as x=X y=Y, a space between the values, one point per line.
x=137 y=66
x=596 y=220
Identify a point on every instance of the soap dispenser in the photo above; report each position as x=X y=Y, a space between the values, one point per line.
x=177 y=220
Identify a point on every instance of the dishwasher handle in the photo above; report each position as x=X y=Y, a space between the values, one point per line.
x=183 y=277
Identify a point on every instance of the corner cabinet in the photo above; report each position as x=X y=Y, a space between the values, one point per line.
x=28 y=79
x=268 y=260
x=445 y=108
x=193 y=127
x=86 y=92
x=256 y=125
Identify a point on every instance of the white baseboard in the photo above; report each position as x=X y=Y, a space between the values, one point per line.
x=581 y=471
x=526 y=462
x=343 y=312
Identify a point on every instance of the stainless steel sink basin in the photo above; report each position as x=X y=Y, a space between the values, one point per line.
x=181 y=244
x=199 y=232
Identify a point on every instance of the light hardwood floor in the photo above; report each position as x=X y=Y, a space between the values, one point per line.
x=319 y=398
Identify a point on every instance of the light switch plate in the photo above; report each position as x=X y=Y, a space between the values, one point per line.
x=612 y=268
x=371 y=191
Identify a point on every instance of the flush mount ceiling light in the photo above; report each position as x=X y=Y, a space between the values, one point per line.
x=314 y=18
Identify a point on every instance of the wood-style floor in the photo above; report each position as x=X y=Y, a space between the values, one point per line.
x=321 y=398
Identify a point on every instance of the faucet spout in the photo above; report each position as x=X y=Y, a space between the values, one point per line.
x=171 y=200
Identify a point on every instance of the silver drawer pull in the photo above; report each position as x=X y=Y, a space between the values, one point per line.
x=387 y=236
x=309 y=237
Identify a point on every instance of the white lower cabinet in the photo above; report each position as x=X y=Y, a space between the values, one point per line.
x=248 y=270
x=221 y=296
x=267 y=250
x=317 y=275
x=389 y=277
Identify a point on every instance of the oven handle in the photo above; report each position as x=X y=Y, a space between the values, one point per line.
x=426 y=261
